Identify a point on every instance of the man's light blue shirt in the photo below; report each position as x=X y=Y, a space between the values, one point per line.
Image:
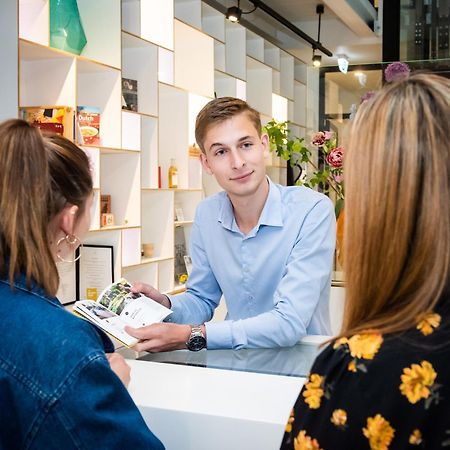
x=275 y=280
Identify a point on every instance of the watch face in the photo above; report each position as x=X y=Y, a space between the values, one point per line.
x=196 y=343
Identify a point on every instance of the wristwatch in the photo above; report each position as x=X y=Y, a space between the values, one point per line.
x=196 y=340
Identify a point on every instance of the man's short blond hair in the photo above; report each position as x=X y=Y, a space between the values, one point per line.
x=219 y=110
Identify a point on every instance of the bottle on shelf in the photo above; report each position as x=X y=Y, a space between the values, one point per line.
x=173 y=175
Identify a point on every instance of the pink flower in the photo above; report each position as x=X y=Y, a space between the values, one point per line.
x=396 y=71
x=367 y=96
x=318 y=139
x=335 y=157
x=339 y=178
x=328 y=135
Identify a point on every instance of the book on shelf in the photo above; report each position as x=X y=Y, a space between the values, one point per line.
x=117 y=307
x=88 y=125
x=129 y=94
x=52 y=119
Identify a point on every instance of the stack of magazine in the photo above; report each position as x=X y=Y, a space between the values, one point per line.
x=117 y=307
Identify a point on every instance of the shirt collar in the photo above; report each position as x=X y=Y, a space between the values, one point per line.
x=272 y=213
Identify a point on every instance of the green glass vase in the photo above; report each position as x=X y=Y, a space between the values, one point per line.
x=66 y=29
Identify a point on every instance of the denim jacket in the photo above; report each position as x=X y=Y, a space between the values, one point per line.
x=57 y=390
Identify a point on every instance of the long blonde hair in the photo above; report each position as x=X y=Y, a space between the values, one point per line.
x=397 y=227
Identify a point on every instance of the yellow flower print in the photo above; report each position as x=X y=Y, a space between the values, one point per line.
x=428 y=323
x=416 y=437
x=304 y=442
x=365 y=345
x=339 y=418
x=379 y=432
x=352 y=366
x=339 y=342
x=313 y=391
x=417 y=381
x=288 y=428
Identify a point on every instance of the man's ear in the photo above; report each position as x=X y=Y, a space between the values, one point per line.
x=205 y=163
x=265 y=144
x=67 y=219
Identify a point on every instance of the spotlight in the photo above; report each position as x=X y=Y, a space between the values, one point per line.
x=317 y=60
x=342 y=63
x=234 y=14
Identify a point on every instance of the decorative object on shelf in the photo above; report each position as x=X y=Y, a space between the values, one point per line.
x=179 y=214
x=148 y=249
x=180 y=252
x=66 y=29
x=129 y=94
x=88 y=125
x=105 y=203
x=107 y=220
x=95 y=270
x=159 y=178
x=188 y=264
x=173 y=174
x=58 y=119
x=195 y=167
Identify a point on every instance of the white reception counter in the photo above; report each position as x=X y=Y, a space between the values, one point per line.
x=220 y=399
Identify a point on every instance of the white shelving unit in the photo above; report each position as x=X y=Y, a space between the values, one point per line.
x=182 y=53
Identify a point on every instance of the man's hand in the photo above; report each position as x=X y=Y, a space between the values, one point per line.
x=151 y=292
x=119 y=367
x=160 y=337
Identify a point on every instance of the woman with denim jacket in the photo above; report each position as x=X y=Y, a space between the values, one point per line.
x=61 y=385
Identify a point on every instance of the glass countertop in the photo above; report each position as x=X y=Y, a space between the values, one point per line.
x=293 y=361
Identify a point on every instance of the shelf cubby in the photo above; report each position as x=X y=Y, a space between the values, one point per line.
x=166 y=275
x=213 y=22
x=189 y=12
x=287 y=75
x=188 y=201
x=149 y=152
x=131 y=246
x=235 y=50
x=34 y=18
x=219 y=56
x=100 y=86
x=157 y=221
x=279 y=108
x=147 y=273
x=194 y=70
x=150 y=20
x=299 y=103
x=120 y=177
x=140 y=63
x=165 y=66
x=271 y=55
x=259 y=86
x=255 y=46
x=131 y=131
x=101 y=24
x=47 y=77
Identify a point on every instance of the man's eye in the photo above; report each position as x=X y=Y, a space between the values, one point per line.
x=247 y=144
x=220 y=152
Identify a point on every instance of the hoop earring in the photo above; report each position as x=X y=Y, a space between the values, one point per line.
x=69 y=240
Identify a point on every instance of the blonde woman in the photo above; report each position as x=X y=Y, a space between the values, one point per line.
x=384 y=383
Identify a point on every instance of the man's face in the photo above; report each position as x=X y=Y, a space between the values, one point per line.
x=234 y=154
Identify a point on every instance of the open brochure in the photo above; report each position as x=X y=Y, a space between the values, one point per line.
x=117 y=306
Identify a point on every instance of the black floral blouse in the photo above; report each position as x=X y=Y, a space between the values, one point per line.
x=377 y=392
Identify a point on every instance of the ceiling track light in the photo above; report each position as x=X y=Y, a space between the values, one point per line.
x=234 y=13
x=317 y=59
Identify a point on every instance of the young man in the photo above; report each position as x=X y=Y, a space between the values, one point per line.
x=267 y=248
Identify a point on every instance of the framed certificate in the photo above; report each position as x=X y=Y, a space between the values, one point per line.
x=95 y=270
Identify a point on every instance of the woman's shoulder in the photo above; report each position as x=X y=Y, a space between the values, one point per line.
x=371 y=386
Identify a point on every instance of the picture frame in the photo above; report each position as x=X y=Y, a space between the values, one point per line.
x=94 y=270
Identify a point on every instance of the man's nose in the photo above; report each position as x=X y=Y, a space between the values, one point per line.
x=237 y=161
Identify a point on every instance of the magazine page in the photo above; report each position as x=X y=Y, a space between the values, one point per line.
x=104 y=319
x=135 y=310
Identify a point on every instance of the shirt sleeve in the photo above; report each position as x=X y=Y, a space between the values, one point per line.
x=302 y=295
x=203 y=293
x=94 y=409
